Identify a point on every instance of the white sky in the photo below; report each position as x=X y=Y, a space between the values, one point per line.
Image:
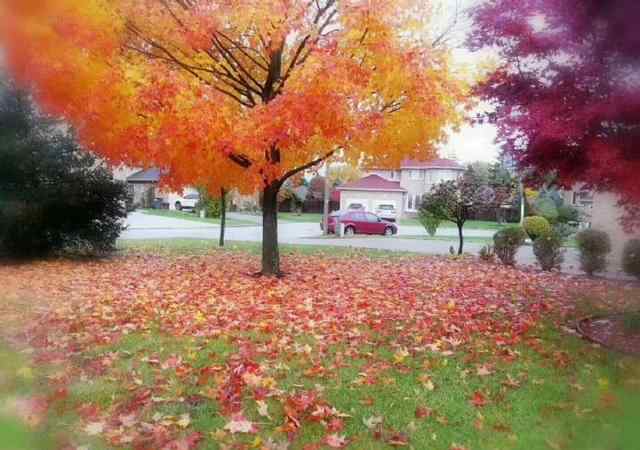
x=477 y=142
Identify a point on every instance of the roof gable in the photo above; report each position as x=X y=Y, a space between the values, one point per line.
x=439 y=163
x=145 y=176
x=372 y=183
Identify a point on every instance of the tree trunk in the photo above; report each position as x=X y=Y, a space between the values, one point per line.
x=460 y=235
x=223 y=215
x=270 y=253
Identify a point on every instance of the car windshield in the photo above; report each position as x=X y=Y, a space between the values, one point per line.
x=386 y=207
x=192 y=196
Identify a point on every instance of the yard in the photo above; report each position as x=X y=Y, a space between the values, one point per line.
x=184 y=215
x=177 y=346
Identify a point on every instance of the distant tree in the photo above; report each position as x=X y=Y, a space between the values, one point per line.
x=454 y=201
x=53 y=195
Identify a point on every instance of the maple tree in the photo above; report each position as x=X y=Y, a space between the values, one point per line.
x=566 y=98
x=240 y=93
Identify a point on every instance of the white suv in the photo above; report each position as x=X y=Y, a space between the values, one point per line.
x=387 y=211
x=186 y=202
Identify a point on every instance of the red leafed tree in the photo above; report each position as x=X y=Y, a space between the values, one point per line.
x=567 y=96
x=237 y=93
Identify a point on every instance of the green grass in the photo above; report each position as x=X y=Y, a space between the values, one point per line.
x=194 y=218
x=470 y=225
x=300 y=218
x=570 y=394
x=584 y=405
x=204 y=246
x=453 y=239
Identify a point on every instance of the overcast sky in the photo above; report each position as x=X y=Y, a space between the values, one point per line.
x=471 y=143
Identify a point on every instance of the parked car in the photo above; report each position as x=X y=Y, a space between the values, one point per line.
x=360 y=222
x=187 y=202
x=387 y=211
x=356 y=207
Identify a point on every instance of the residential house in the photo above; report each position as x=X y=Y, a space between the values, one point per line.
x=402 y=188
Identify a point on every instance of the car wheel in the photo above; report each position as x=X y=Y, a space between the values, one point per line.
x=349 y=231
x=388 y=231
x=178 y=206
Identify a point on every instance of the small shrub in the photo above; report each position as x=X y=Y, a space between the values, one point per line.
x=594 y=246
x=569 y=213
x=536 y=226
x=631 y=258
x=507 y=242
x=487 y=254
x=548 y=250
x=430 y=223
x=564 y=230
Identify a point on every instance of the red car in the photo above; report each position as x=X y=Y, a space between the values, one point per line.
x=360 y=222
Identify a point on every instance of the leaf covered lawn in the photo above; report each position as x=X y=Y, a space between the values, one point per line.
x=150 y=351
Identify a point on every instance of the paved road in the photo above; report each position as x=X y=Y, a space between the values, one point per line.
x=143 y=226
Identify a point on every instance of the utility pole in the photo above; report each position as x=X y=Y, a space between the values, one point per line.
x=327 y=193
x=522 y=200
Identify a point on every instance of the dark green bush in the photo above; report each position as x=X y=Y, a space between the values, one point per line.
x=546 y=208
x=631 y=258
x=594 y=246
x=548 y=250
x=569 y=213
x=55 y=196
x=536 y=226
x=507 y=242
x=430 y=223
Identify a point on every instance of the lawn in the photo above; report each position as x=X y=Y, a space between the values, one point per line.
x=317 y=218
x=304 y=218
x=469 y=225
x=178 y=346
x=195 y=218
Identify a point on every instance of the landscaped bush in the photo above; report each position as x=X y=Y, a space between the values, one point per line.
x=548 y=250
x=536 y=226
x=569 y=213
x=430 y=223
x=212 y=207
x=631 y=258
x=547 y=208
x=56 y=196
x=507 y=242
x=594 y=246
x=564 y=230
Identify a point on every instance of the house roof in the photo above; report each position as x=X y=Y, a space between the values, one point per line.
x=440 y=163
x=145 y=176
x=372 y=183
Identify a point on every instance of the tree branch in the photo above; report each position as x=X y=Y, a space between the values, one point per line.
x=304 y=167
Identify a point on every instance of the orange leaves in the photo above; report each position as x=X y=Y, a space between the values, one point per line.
x=187 y=89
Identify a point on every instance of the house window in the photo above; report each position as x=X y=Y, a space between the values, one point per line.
x=413 y=202
x=416 y=174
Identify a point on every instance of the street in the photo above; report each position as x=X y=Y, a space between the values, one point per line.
x=145 y=226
